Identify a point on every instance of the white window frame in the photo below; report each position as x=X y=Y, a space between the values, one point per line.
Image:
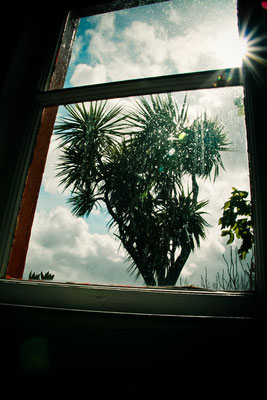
x=148 y=301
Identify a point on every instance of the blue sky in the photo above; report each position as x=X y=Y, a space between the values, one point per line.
x=161 y=39
x=139 y=42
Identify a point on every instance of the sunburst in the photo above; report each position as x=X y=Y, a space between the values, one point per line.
x=256 y=47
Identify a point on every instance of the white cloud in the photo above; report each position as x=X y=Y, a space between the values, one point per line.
x=63 y=244
x=77 y=47
x=50 y=181
x=106 y=23
x=210 y=253
x=188 y=270
x=138 y=51
x=148 y=49
x=173 y=14
x=86 y=75
x=208 y=256
x=148 y=42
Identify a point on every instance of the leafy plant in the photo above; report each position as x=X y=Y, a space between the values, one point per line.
x=137 y=163
x=43 y=276
x=239 y=103
x=237 y=276
x=237 y=217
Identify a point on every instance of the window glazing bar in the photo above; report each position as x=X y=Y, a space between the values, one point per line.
x=100 y=7
x=141 y=87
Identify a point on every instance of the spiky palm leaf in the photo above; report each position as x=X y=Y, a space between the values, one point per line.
x=202 y=145
x=135 y=163
x=86 y=135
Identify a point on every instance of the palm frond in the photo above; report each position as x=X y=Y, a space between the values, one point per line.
x=82 y=203
x=135 y=162
x=87 y=134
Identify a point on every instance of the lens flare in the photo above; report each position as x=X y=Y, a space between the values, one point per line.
x=230 y=49
x=256 y=48
x=181 y=136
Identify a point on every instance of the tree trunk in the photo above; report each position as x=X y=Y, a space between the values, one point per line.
x=149 y=278
x=141 y=261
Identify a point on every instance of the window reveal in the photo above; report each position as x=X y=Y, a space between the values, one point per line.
x=30 y=196
x=34 y=177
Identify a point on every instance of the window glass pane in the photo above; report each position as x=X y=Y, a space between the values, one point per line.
x=164 y=38
x=145 y=180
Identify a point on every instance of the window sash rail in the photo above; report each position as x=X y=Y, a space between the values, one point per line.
x=133 y=300
x=145 y=86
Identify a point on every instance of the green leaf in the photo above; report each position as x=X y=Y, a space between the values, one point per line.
x=226 y=205
x=237 y=215
x=231 y=239
x=225 y=233
x=124 y=160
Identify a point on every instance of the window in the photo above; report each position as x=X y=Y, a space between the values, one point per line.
x=163 y=38
x=217 y=75
x=60 y=240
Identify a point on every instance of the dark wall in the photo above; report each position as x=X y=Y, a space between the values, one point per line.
x=96 y=353
x=29 y=38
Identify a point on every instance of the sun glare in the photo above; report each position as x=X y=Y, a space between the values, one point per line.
x=230 y=49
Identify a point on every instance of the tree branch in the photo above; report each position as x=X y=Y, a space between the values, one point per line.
x=176 y=268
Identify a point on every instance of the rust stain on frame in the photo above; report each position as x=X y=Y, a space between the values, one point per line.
x=30 y=195
x=28 y=204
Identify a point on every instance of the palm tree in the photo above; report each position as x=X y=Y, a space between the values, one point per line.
x=87 y=136
x=137 y=163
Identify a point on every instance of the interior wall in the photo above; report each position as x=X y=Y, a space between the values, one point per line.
x=47 y=350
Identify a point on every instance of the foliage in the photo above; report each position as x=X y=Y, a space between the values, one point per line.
x=237 y=217
x=239 y=103
x=144 y=165
x=43 y=276
x=87 y=136
x=237 y=276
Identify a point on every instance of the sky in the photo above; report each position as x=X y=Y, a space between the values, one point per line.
x=161 y=39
